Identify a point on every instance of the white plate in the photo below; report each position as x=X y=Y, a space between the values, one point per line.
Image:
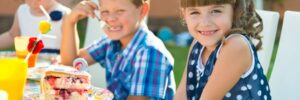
x=36 y=73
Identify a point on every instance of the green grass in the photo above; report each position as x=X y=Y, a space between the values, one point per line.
x=81 y=27
x=180 y=56
x=9 y=49
x=274 y=53
x=270 y=69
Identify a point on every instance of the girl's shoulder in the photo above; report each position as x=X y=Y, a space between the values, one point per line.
x=236 y=51
x=236 y=42
x=236 y=45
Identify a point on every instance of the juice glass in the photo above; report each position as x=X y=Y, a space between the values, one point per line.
x=13 y=73
x=21 y=50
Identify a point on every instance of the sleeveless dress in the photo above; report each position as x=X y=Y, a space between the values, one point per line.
x=252 y=85
x=29 y=25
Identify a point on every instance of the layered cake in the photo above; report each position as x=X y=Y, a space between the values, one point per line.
x=65 y=83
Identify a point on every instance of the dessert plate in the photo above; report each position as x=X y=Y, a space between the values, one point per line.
x=35 y=73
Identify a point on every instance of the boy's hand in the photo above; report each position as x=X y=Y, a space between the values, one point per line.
x=82 y=10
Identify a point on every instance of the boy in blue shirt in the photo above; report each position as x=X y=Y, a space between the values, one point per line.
x=138 y=66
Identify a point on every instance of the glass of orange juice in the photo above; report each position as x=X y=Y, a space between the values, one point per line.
x=21 y=50
x=13 y=73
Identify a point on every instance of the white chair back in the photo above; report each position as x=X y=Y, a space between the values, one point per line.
x=270 y=23
x=284 y=80
x=93 y=32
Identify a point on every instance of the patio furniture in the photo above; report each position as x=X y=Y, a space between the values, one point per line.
x=284 y=81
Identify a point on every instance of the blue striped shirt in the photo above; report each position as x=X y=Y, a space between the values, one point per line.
x=143 y=68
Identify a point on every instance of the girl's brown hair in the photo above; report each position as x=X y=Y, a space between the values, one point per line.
x=245 y=18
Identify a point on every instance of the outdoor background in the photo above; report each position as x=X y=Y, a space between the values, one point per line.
x=163 y=13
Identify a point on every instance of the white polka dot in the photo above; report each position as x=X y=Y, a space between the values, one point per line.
x=243 y=88
x=239 y=97
x=259 y=92
x=258 y=66
x=192 y=62
x=193 y=98
x=254 y=77
x=262 y=82
x=198 y=78
x=190 y=74
x=249 y=86
x=197 y=85
x=267 y=88
x=191 y=87
x=228 y=95
x=196 y=51
x=265 y=97
x=198 y=72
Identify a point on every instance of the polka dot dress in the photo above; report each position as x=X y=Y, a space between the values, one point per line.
x=254 y=86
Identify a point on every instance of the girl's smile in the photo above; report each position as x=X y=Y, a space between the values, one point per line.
x=207 y=33
x=208 y=24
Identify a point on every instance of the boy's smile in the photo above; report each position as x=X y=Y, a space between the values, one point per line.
x=114 y=28
x=122 y=19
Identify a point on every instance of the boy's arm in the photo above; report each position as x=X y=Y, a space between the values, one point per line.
x=7 y=38
x=70 y=40
x=83 y=53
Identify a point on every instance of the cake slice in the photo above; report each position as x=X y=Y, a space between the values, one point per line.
x=65 y=83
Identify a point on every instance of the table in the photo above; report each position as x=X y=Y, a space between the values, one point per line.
x=32 y=88
x=32 y=92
